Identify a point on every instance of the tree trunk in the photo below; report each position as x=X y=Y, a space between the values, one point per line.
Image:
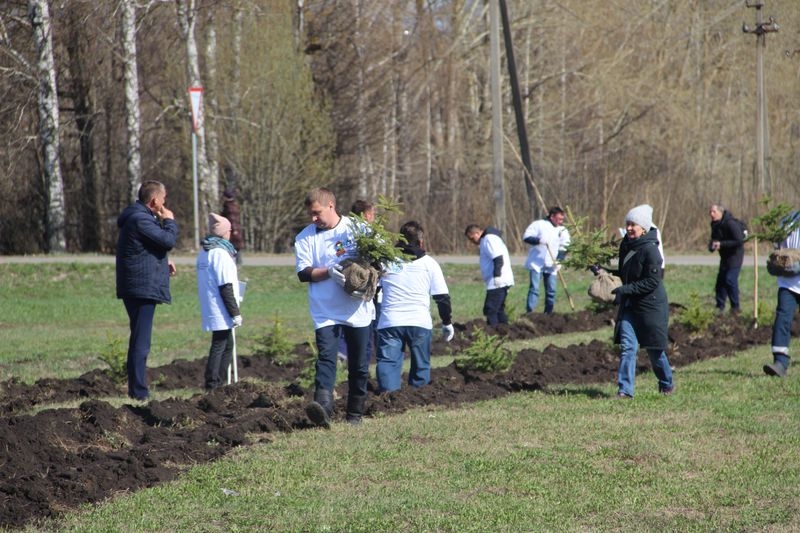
x=39 y=15
x=132 y=114
x=187 y=21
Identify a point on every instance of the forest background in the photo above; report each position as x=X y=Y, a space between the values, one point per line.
x=624 y=102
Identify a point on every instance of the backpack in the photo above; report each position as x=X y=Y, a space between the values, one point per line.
x=742 y=225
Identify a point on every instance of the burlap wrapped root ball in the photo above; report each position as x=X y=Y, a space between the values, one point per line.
x=784 y=262
x=360 y=276
x=601 y=286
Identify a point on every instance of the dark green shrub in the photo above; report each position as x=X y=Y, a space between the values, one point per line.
x=276 y=344
x=487 y=353
x=115 y=355
x=696 y=317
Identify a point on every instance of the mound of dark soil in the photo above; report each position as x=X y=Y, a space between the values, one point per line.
x=58 y=459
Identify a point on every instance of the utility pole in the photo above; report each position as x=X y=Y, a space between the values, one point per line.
x=763 y=178
x=497 y=117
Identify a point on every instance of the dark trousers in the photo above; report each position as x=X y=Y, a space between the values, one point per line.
x=727 y=287
x=494 y=307
x=357 y=361
x=140 y=316
x=219 y=358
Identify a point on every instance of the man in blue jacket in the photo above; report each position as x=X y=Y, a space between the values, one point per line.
x=147 y=231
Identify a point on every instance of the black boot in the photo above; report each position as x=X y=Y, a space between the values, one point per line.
x=319 y=411
x=355 y=408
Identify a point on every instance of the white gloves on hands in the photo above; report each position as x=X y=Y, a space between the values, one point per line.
x=497 y=282
x=336 y=274
x=448 y=331
x=357 y=295
x=237 y=321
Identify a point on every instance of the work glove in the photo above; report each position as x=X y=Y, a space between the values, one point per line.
x=237 y=321
x=497 y=282
x=336 y=274
x=596 y=270
x=357 y=295
x=448 y=332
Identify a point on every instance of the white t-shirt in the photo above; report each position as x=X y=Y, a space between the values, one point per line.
x=493 y=246
x=407 y=289
x=564 y=238
x=328 y=304
x=215 y=268
x=791 y=282
x=542 y=256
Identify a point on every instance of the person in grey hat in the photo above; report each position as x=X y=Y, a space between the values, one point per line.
x=643 y=314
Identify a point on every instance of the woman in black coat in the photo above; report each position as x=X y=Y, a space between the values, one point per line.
x=644 y=310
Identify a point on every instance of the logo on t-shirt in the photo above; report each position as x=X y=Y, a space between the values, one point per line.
x=339 y=247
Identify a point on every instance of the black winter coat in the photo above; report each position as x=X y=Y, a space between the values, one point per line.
x=142 y=263
x=643 y=291
x=731 y=241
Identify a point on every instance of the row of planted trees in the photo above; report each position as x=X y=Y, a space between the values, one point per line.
x=624 y=104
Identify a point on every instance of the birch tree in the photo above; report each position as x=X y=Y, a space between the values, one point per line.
x=131 y=82
x=187 y=22
x=39 y=15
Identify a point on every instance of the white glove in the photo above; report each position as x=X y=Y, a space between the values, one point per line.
x=237 y=321
x=336 y=274
x=497 y=282
x=448 y=332
x=357 y=295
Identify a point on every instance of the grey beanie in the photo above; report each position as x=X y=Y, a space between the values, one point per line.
x=641 y=215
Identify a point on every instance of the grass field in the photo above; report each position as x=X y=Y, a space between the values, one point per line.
x=722 y=454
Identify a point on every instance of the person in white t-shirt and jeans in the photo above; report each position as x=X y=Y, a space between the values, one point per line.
x=319 y=248
x=406 y=312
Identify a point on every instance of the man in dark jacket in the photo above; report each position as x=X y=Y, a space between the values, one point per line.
x=147 y=231
x=231 y=211
x=727 y=237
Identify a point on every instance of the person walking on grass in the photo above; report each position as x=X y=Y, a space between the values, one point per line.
x=788 y=301
x=218 y=293
x=495 y=265
x=643 y=315
x=406 y=317
x=727 y=238
x=147 y=232
x=319 y=249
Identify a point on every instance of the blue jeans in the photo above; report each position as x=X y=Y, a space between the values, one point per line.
x=727 y=287
x=391 y=342
x=494 y=306
x=550 y=283
x=357 y=361
x=372 y=341
x=140 y=316
x=782 y=327
x=629 y=346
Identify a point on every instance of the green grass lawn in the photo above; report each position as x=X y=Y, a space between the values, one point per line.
x=56 y=319
x=722 y=454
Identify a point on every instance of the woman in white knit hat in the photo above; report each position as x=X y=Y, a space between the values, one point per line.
x=643 y=316
x=218 y=292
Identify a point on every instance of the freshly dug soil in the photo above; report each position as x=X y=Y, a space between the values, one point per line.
x=60 y=458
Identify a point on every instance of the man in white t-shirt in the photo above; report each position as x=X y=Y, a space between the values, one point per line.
x=544 y=237
x=406 y=313
x=788 y=301
x=495 y=264
x=319 y=248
